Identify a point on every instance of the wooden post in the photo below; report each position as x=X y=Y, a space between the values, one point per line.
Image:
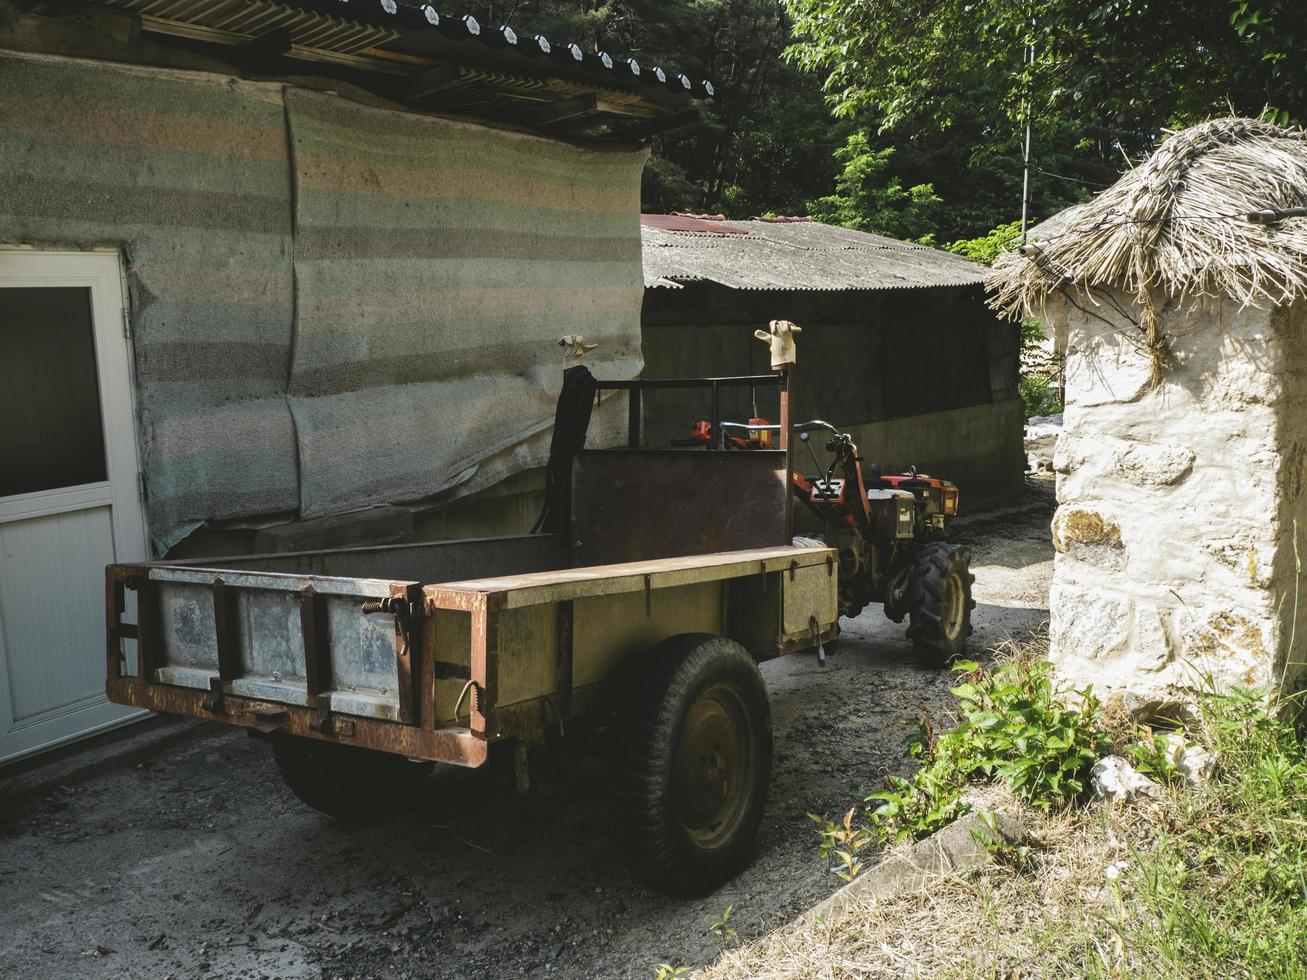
x=788 y=392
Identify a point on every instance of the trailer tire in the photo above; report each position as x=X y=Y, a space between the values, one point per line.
x=939 y=603
x=696 y=763
x=345 y=781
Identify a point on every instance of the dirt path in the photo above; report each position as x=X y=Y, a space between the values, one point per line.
x=202 y=864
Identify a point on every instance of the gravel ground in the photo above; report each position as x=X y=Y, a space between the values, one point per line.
x=200 y=863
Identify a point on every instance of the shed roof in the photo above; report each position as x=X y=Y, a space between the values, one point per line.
x=790 y=254
x=414 y=53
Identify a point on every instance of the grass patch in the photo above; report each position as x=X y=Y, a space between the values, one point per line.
x=1202 y=881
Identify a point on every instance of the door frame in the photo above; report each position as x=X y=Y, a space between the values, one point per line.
x=102 y=272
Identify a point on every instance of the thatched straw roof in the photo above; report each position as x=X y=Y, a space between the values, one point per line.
x=1177 y=226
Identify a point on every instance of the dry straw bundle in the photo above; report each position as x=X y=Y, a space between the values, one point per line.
x=1177 y=227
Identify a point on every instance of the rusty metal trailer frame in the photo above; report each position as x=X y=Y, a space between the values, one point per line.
x=773 y=600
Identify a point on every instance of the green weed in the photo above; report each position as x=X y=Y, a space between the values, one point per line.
x=722 y=927
x=1014 y=724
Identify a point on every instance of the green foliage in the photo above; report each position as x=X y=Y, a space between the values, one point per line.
x=1017 y=726
x=668 y=972
x=1037 y=389
x=988 y=247
x=1014 y=725
x=1013 y=854
x=1131 y=66
x=722 y=927
x=1039 y=394
x=843 y=841
x=1151 y=756
x=867 y=199
x=938 y=87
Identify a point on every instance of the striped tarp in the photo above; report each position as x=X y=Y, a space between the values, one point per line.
x=437 y=264
x=371 y=318
x=186 y=173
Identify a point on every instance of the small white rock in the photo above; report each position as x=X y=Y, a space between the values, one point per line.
x=1193 y=762
x=1116 y=781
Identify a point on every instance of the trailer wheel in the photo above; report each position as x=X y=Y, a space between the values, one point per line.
x=697 y=763
x=939 y=603
x=345 y=781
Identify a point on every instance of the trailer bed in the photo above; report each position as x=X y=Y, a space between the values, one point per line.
x=431 y=668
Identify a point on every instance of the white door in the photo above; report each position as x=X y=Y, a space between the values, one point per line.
x=69 y=498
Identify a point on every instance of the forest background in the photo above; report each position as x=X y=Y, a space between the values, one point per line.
x=907 y=117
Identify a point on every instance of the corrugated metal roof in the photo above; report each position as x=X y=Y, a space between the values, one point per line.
x=795 y=255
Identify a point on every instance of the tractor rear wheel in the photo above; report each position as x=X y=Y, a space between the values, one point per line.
x=939 y=603
x=345 y=781
x=697 y=757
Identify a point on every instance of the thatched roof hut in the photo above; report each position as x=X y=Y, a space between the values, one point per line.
x=1180 y=503
x=1210 y=213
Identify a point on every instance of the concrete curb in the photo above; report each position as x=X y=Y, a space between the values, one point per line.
x=950 y=850
x=117 y=749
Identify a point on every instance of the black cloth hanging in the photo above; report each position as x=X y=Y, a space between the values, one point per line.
x=571 y=421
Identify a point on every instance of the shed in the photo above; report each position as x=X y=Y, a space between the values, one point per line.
x=898 y=345
x=264 y=264
x=1180 y=298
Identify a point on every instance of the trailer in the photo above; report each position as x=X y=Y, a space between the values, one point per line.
x=658 y=580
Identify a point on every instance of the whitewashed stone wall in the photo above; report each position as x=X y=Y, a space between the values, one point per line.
x=1175 y=525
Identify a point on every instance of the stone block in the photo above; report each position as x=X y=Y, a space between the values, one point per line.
x=1157 y=466
x=1088 y=536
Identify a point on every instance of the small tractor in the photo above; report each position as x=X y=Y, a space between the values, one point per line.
x=887 y=529
x=888 y=532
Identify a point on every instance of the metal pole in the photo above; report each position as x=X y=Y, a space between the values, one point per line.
x=1025 y=156
x=788 y=393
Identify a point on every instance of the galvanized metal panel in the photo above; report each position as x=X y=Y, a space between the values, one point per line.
x=364 y=666
x=267 y=635
x=186 y=630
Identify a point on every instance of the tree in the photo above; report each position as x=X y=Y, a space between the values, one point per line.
x=867 y=199
x=1129 y=67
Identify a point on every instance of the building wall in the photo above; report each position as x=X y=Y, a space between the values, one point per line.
x=334 y=304
x=979 y=448
x=925 y=377
x=1177 y=502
